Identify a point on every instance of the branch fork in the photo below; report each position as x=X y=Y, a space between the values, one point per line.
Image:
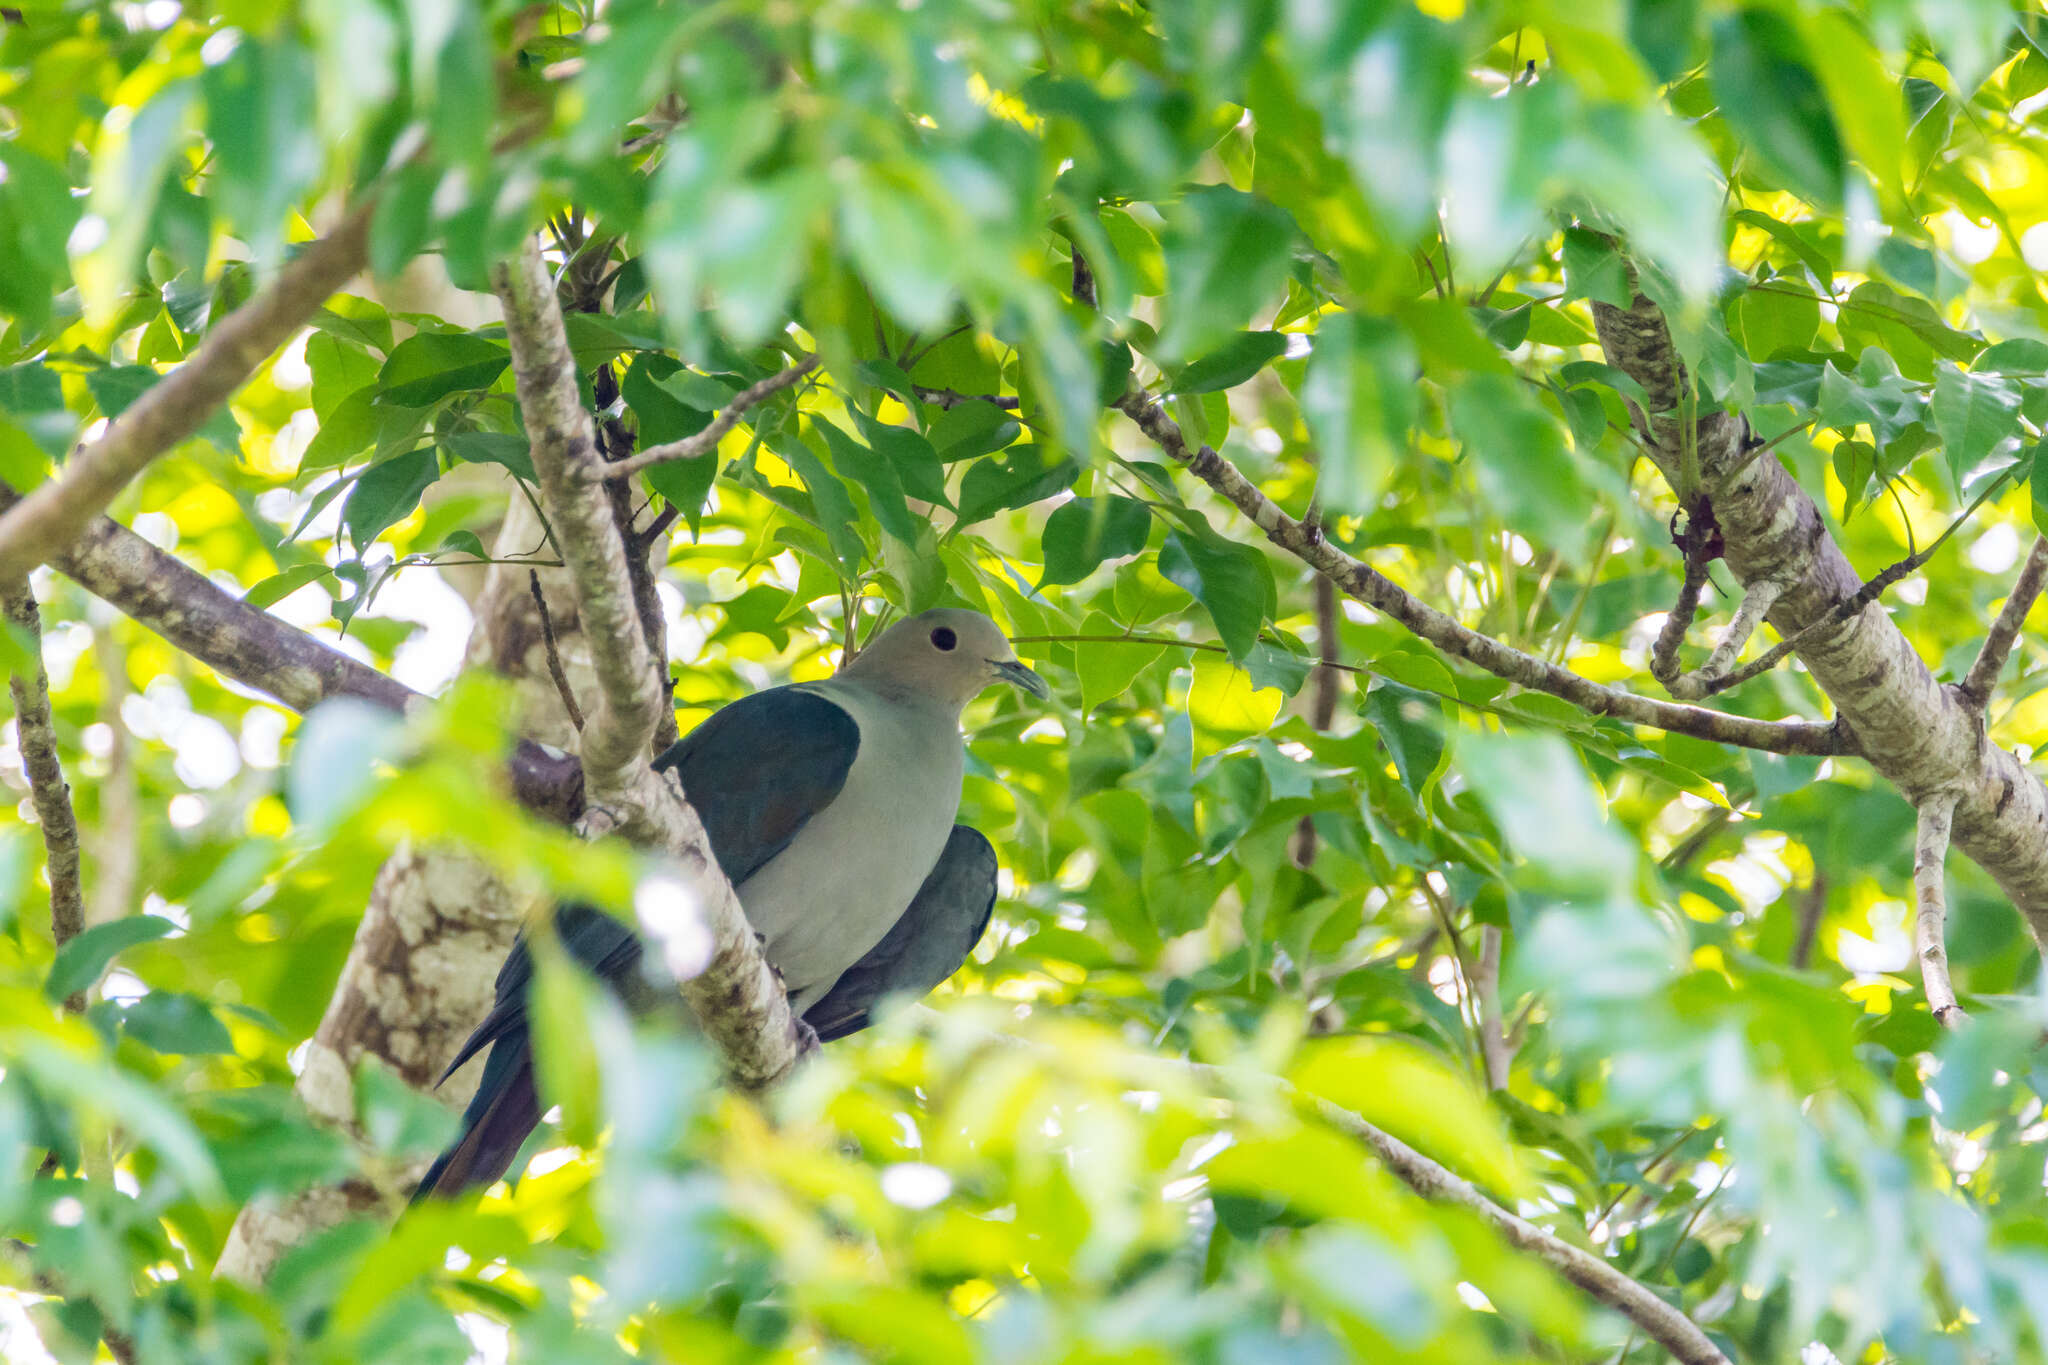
x=737 y=997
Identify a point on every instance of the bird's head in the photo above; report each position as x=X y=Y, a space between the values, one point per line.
x=948 y=654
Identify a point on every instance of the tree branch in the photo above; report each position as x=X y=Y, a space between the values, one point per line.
x=1930 y=896
x=50 y=793
x=706 y=441
x=1496 y=1049
x=1376 y=590
x=1709 y=677
x=1983 y=675
x=55 y=514
x=258 y=650
x=555 y=670
x=1659 y=1320
x=1922 y=737
x=736 y=996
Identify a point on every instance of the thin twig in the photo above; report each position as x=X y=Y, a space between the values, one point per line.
x=1934 y=816
x=1376 y=590
x=1983 y=675
x=554 y=653
x=1853 y=604
x=1496 y=1049
x=1757 y=600
x=953 y=398
x=1664 y=653
x=1323 y=705
x=1664 y=1323
x=706 y=441
x=1812 y=902
x=54 y=514
x=36 y=735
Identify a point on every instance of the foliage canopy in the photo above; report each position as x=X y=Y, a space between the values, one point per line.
x=1654 y=992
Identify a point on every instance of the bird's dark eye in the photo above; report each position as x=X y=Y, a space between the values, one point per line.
x=944 y=637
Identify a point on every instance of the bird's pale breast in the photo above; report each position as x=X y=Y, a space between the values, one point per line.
x=855 y=866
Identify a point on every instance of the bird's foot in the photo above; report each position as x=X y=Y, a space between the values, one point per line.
x=807 y=1040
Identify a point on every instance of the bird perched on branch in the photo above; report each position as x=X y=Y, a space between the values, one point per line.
x=830 y=807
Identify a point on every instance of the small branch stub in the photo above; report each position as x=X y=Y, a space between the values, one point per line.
x=1930 y=919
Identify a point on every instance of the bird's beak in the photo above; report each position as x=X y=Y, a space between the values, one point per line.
x=1017 y=675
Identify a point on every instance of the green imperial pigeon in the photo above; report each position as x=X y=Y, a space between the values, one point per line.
x=830 y=807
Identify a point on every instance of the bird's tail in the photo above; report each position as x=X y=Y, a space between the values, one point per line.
x=505 y=1109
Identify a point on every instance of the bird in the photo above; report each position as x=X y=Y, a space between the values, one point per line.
x=830 y=807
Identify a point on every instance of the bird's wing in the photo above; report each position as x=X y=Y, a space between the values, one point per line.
x=923 y=948
x=756 y=771
x=760 y=768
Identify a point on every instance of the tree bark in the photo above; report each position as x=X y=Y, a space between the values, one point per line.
x=1920 y=735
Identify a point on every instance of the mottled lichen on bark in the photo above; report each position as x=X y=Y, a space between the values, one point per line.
x=1924 y=737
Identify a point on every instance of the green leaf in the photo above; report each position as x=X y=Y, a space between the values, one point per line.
x=1594 y=269
x=1975 y=414
x=1771 y=98
x=503 y=449
x=894 y=235
x=833 y=504
x=1232 y=581
x=1019 y=476
x=281 y=585
x=1665 y=32
x=334 y=762
x=972 y=430
x=1774 y=321
x=875 y=476
x=1552 y=815
x=2024 y=356
x=266 y=149
x=910 y=455
x=428 y=366
x=79 y=963
x=1083 y=532
x=172 y=1022
x=1789 y=236
x=1226 y=256
x=1358 y=397
x=1108 y=670
x=1868 y=105
x=37 y=216
x=1231 y=364
x=387 y=494
x=1411 y=724
x=1522 y=463
x=33 y=397
x=665 y=417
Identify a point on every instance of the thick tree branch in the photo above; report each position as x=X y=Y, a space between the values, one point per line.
x=1983 y=675
x=737 y=996
x=55 y=514
x=48 y=791
x=706 y=441
x=259 y=650
x=1919 y=735
x=1377 y=590
x=1930 y=898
